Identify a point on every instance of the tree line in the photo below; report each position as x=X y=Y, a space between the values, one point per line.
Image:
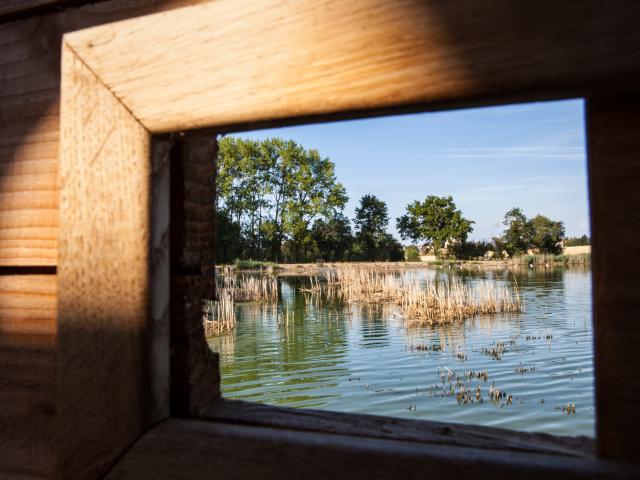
x=277 y=201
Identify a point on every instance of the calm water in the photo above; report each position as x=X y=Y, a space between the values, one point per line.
x=352 y=358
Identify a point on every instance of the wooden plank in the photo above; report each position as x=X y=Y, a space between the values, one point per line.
x=29 y=119
x=437 y=433
x=11 y=9
x=197 y=67
x=27 y=375
x=27 y=304
x=195 y=368
x=199 y=449
x=614 y=176
x=105 y=380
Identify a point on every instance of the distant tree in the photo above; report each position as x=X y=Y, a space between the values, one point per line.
x=371 y=221
x=435 y=221
x=517 y=238
x=412 y=253
x=577 y=241
x=388 y=249
x=547 y=234
x=333 y=237
x=471 y=250
x=539 y=233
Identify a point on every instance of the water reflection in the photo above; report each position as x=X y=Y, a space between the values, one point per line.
x=311 y=350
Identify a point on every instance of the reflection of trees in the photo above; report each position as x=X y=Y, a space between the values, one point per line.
x=287 y=362
x=302 y=362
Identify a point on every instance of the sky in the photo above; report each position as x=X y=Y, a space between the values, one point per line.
x=531 y=156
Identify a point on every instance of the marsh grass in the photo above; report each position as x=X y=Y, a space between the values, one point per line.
x=423 y=302
x=219 y=315
x=548 y=260
x=245 y=288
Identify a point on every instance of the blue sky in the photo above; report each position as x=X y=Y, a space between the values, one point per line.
x=532 y=156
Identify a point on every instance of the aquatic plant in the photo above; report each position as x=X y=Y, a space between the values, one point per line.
x=246 y=288
x=219 y=315
x=422 y=301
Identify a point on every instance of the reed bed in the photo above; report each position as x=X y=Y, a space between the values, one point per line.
x=423 y=302
x=249 y=288
x=219 y=315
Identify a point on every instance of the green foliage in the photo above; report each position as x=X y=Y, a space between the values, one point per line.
x=372 y=218
x=471 y=250
x=547 y=234
x=435 y=221
x=577 y=241
x=539 y=233
x=252 y=264
x=412 y=253
x=372 y=242
x=517 y=238
x=333 y=238
x=272 y=191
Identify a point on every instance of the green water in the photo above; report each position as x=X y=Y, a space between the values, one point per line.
x=351 y=358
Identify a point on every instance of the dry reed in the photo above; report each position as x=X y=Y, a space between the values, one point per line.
x=220 y=315
x=426 y=301
x=249 y=288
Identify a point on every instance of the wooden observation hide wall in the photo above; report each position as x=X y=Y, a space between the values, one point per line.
x=108 y=115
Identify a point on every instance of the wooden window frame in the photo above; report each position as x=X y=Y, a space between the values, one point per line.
x=229 y=65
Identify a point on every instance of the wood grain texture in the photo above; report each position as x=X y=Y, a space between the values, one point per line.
x=614 y=179
x=198 y=67
x=27 y=304
x=28 y=144
x=27 y=375
x=199 y=450
x=12 y=9
x=422 y=431
x=105 y=381
x=29 y=120
x=195 y=368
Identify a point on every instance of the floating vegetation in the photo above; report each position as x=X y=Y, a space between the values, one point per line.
x=461 y=356
x=523 y=370
x=470 y=375
x=423 y=347
x=465 y=393
x=495 y=351
x=539 y=337
x=569 y=409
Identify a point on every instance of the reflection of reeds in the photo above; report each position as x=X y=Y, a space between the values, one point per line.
x=424 y=302
x=219 y=315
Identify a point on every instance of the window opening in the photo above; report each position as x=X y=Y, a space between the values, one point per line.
x=429 y=266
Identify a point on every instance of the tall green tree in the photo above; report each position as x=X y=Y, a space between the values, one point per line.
x=333 y=238
x=371 y=221
x=517 y=237
x=547 y=234
x=273 y=190
x=434 y=221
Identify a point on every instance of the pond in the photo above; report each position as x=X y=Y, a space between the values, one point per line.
x=528 y=371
